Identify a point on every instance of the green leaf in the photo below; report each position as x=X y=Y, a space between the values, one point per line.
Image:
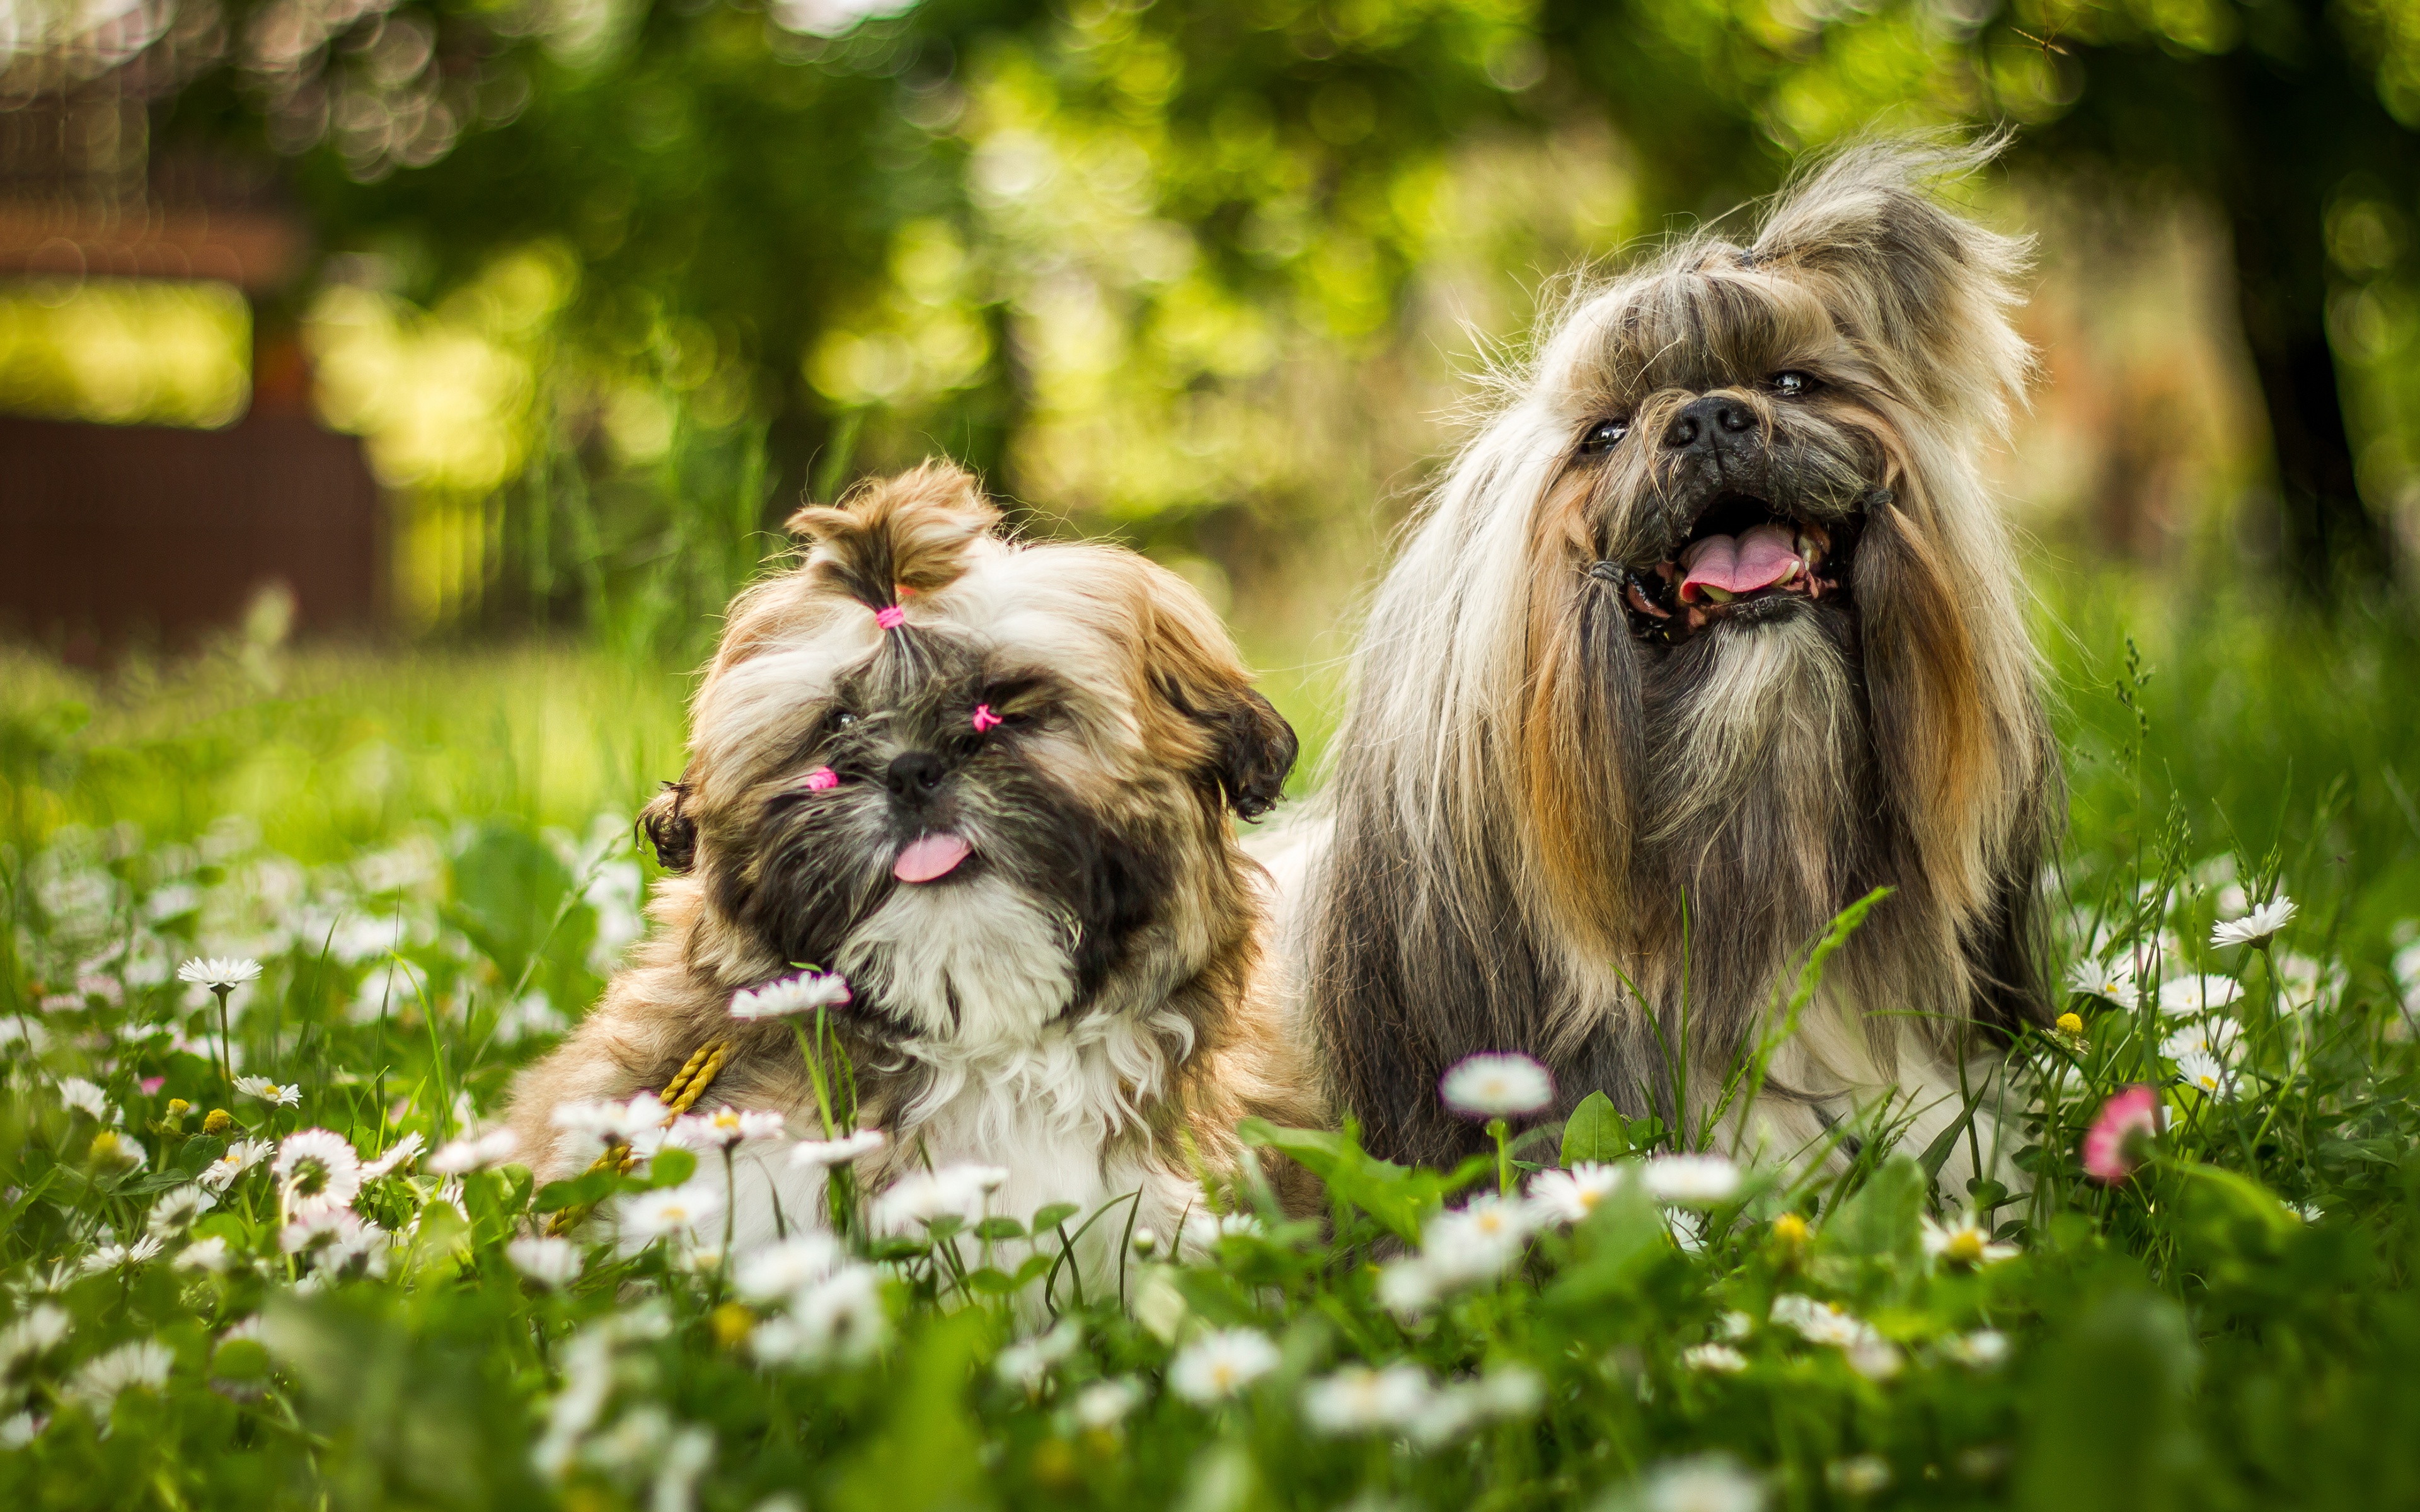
x=1053 y=1215
x=1595 y=1132
x=994 y=1282
x=2110 y=1431
x=1880 y=1221
x=670 y=1167
x=1399 y=1198
x=584 y=1191
x=998 y=1231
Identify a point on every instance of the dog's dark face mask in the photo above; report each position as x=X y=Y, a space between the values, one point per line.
x=926 y=834
x=1731 y=469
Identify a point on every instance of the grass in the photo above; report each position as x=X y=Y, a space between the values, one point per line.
x=429 y=855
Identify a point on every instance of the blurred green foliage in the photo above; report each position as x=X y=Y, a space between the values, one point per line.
x=1191 y=272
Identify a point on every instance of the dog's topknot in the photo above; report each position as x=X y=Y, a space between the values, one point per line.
x=911 y=532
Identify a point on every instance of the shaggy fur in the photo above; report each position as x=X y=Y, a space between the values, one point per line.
x=1585 y=810
x=1083 y=1001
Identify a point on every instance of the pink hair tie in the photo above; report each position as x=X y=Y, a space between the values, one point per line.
x=890 y=616
x=820 y=779
x=985 y=719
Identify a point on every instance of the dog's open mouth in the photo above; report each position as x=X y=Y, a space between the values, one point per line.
x=1743 y=559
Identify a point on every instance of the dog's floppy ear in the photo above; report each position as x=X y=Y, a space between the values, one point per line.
x=1252 y=749
x=1256 y=751
x=673 y=833
x=911 y=532
x=1923 y=290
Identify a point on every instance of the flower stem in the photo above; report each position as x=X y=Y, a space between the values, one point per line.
x=226 y=1054
x=1503 y=1154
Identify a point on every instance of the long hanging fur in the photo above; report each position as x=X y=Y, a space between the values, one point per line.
x=1545 y=833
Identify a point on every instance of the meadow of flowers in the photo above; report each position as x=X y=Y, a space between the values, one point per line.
x=266 y=1245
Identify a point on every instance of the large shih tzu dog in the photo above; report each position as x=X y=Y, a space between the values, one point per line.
x=1709 y=630
x=989 y=785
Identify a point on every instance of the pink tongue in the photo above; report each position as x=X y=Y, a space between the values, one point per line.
x=1757 y=559
x=928 y=857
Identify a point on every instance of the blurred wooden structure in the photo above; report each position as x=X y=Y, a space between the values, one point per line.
x=119 y=533
x=146 y=533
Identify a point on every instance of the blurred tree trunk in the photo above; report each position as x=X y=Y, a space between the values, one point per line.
x=2275 y=190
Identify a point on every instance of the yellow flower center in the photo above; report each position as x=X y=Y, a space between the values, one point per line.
x=1965 y=1247
x=1789 y=1229
x=2071 y=1024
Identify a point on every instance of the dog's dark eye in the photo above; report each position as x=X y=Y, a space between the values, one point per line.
x=842 y=719
x=1792 y=385
x=1603 y=434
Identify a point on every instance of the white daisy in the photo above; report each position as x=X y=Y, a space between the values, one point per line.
x=2199 y=994
x=112 y=1256
x=1220 y=1365
x=1476 y=1241
x=1986 y=1349
x=1707 y=1482
x=399 y=1155
x=918 y=1198
x=1720 y=1359
x=240 y=1157
x=802 y=993
x=613 y=1122
x=2257 y=927
x=269 y=1091
x=820 y=1154
x=1357 y=1399
x=1859 y=1475
x=177 y=1209
x=841 y=1320
x=788 y=1267
x=316 y=1170
x=41 y=1331
x=1500 y=1395
x=1568 y=1197
x=141 y=1365
x=547 y=1261
x=1406 y=1286
x=1026 y=1364
x=1497 y=1086
x=110 y=1148
x=219 y=974
x=87 y=1098
x=669 y=1212
x=1963 y=1243
x=210 y=1254
x=1691 y=1179
x=2205 y=1075
x=473 y=1153
x=2113 y=983
x=2218 y=1037
x=1821 y=1323
x=1103 y=1404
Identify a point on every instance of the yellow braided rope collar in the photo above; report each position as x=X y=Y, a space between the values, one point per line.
x=679 y=1095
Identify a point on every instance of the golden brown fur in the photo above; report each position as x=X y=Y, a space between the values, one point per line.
x=1580 y=813
x=1083 y=1000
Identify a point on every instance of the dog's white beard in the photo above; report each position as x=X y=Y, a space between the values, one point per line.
x=1746 y=823
x=1754 y=786
x=1752 y=770
x=983 y=972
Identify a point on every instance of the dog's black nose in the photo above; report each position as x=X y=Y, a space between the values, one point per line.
x=1714 y=415
x=914 y=776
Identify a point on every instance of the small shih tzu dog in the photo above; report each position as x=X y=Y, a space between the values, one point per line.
x=1709 y=631
x=989 y=785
